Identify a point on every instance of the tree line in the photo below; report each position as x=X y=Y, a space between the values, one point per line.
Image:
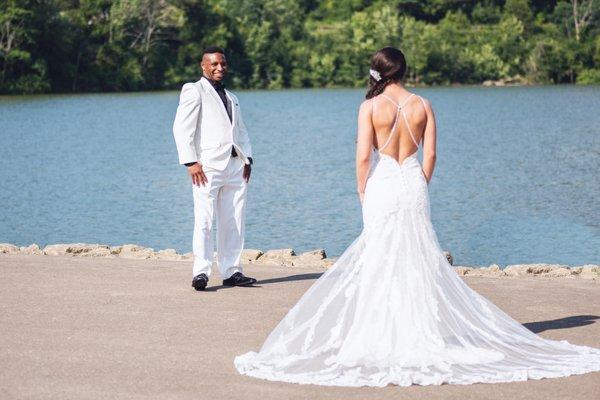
x=128 y=45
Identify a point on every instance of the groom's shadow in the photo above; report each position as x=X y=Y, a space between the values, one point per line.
x=561 y=323
x=258 y=284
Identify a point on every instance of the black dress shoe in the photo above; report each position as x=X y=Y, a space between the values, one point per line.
x=238 y=279
x=199 y=282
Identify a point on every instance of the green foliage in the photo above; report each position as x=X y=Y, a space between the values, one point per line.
x=486 y=14
x=521 y=10
x=122 y=45
x=589 y=77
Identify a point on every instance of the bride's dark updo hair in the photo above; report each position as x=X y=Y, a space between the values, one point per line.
x=390 y=63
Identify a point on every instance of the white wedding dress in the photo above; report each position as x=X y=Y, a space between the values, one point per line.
x=392 y=310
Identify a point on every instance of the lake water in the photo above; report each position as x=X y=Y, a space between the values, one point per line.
x=516 y=178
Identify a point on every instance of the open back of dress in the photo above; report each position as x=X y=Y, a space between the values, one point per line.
x=399 y=114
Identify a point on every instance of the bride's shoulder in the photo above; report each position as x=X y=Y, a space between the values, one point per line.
x=365 y=112
x=366 y=106
x=425 y=103
x=424 y=100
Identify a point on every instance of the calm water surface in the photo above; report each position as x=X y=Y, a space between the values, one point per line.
x=516 y=178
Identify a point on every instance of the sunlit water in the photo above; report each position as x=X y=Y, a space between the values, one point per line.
x=516 y=178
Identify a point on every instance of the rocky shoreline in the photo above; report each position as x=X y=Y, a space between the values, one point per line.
x=289 y=258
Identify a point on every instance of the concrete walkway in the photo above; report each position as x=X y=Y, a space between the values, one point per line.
x=98 y=328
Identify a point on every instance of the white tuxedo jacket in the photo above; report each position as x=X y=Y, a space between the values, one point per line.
x=203 y=131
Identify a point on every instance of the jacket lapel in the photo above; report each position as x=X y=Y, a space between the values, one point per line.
x=216 y=98
x=232 y=105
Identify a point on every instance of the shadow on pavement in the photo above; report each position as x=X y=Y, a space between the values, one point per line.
x=561 y=323
x=299 y=277
x=291 y=278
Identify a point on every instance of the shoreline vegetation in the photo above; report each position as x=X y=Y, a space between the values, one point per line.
x=517 y=81
x=92 y=46
x=501 y=83
x=289 y=258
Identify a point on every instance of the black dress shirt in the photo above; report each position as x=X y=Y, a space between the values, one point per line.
x=220 y=89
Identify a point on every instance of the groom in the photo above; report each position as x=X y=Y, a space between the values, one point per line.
x=212 y=142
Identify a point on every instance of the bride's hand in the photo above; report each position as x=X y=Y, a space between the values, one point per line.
x=425 y=176
x=361 y=196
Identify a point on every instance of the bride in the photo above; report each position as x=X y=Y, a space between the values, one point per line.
x=391 y=310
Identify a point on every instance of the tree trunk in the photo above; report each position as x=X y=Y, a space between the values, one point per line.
x=582 y=16
x=576 y=19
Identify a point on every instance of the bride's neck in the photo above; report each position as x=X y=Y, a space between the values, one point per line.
x=395 y=87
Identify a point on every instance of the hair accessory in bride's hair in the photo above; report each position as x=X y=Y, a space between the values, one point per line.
x=375 y=74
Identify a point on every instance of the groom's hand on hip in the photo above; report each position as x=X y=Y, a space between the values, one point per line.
x=197 y=174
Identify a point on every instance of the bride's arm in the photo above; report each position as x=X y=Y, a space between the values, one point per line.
x=364 y=145
x=429 y=137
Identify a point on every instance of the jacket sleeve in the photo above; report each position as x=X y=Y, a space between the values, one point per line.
x=244 y=138
x=186 y=123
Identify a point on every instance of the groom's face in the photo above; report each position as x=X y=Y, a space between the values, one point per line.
x=214 y=66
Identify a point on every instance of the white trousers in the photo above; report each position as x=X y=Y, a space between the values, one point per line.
x=223 y=196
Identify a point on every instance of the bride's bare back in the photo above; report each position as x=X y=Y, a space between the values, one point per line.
x=398 y=122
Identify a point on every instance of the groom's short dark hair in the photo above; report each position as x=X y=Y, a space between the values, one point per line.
x=213 y=49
